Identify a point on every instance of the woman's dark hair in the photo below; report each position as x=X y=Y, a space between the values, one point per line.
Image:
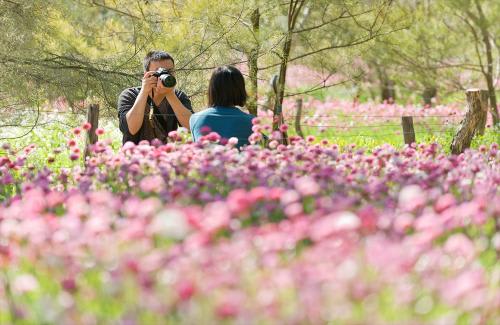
x=227 y=87
x=156 y=56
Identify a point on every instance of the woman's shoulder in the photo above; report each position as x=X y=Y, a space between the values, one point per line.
x=205 y=111
x=199 y=116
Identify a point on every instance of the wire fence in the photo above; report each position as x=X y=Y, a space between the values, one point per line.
x=285 y=115
x=306 y=121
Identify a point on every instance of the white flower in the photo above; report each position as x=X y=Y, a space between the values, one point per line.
x=170 y=223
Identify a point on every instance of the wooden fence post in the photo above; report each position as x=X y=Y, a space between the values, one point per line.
x=298 y=117
x=471 y=122
x=408 y=130
x=93 y=119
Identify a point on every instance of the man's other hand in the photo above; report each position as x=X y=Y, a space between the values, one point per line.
x=149 y=82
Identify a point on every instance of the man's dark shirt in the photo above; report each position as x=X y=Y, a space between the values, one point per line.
x=127 y=99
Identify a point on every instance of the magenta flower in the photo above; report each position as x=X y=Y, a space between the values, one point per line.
x=86 y=126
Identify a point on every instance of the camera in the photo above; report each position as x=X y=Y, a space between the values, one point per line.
x=166 y=78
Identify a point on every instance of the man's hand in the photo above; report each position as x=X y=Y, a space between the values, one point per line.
x=162 y=90
x=149 y=82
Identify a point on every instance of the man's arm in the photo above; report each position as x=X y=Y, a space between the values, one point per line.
x=135 y=116
x=182 y=112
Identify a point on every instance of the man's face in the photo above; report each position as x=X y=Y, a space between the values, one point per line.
x=165 y=64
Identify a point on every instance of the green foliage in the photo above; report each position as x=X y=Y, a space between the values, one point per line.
x=441 y=48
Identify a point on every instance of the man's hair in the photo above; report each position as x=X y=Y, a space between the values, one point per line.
x=156 y=56
x=227 y=87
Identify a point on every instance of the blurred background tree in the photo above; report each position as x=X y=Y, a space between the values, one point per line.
x=409 y=50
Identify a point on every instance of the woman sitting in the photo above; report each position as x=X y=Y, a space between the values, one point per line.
x=226 y=95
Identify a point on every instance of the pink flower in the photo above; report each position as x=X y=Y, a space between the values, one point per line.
x=213 y=137
x=289 y=197
x=238 y=201
x=24 y=283
x=5 y=255
x=205 y=130
x=403 y=222
x=227 y=309
x=255 y=137
x=276 y=135
x=99 y=131
x=258 y=194
x=170 y=224
x=460 y=245
x=283 y=128
x=173 y=135
x=77 y=131
x=307 y=186
x=256 y=128
x=152 y=184
x=459 y=287
x=86 y=126
x=72 y=142
x=444 y=202
x=273 y=144
x=232 y=141
x=69 y=284
x=369 y=217
x=411 y=197
x=185 y=290
x=334 y=223
x=216 y=216
x=293 y=210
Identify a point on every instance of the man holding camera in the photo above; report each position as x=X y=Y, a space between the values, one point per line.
x=156 y=108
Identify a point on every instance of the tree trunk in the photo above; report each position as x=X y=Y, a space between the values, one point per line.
x=280 y=86
x=488 y=74
x=388 y=92
x=484 y=112
x=428 y=94
x=493 y=99
x=471 y=121
x=253 y=66
x=298 y=117
x=295 y=6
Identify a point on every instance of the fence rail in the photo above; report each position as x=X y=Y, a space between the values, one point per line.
x=473 y=121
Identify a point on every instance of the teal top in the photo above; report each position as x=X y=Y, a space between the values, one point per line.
x=228 y=122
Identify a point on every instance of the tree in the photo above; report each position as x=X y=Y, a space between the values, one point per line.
x=480 y=18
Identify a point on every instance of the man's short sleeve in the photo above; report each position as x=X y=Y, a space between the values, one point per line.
x=125 y=102
x=185 y=101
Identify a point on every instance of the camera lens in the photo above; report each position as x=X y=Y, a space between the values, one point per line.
x=168 y=80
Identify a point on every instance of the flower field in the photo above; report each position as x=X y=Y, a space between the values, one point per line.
x=201 y=233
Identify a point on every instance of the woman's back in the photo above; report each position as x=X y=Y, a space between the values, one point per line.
x=228 y=122
x=226 y=92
